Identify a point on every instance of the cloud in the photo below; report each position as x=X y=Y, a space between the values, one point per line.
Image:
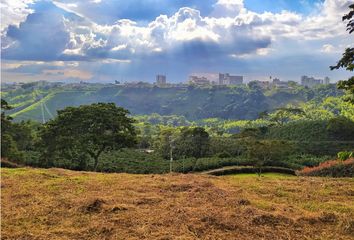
x=236 y=31
x=327 y=48
x=226 y=8
x=69 y=73
x=326 y=23
x=14 y=12
x=38 y=70
x=108 y=11
x=36 y=67
x=189 y=35
x=43 y=36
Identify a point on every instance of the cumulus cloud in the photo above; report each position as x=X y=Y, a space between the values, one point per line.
x=225 y=8
x=42 y=36
x=327 y=48
x=67 y=30
x=14 y=12
x=327 y=22
x=108 y=11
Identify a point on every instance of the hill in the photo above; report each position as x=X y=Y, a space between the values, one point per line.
x=62 y=204
x=192 y=102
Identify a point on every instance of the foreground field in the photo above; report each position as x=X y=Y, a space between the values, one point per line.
x=62 y=204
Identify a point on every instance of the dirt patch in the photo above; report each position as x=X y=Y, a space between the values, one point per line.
x=94 y=206
x=119 y=209
x=328 y=218
x=217 y=223
x=271 y=220
x=179 y=187
x=147 y=201
x=243 y=202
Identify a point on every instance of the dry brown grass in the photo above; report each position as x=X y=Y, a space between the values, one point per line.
x=62 y=204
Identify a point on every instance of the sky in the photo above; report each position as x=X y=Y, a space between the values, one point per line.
x=108 y=40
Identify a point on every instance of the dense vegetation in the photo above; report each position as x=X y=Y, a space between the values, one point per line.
x=104 y=137
x=194 y=103
x=347 y=60
x=221 y=126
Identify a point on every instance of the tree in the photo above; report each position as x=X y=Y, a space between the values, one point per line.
x=282 y=115
x=9 y=147
x=193 y=142
x=5 y=105
x=347 y=60
x=162 y=143
x=341 y=128
x=253 y=85
x=267 y=152
x=5 y=120
x=88 y=130
x=253 y=132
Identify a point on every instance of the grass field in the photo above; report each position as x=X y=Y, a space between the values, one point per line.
x=62 y=204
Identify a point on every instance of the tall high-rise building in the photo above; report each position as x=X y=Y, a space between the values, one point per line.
x=327 y=80
x=310 y=81
x=161 y=79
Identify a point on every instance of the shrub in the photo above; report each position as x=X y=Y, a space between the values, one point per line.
x=322 y=148
x=8 y=164
x=332 y=168
x=245 y=169
x=224 y=154
x=299 y=161
x=344 y=155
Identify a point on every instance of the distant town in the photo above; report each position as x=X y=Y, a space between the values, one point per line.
x=224 y=79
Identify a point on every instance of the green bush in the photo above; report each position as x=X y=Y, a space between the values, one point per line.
x=298 y=161
x=304 y=130
x=223 y=154
x=132 y=161
x=344 y=155
x=323 y=148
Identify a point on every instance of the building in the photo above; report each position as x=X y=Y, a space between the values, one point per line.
x=280 y=84
x=310 y=81
x=261 y=84
x=161 y=79
x=198 y=80
x=327 y=80
x=227 y=79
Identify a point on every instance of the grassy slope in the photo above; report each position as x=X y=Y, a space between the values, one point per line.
x=54 y=101
x=62 y=204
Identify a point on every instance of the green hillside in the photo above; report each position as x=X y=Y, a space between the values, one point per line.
x=194 y=103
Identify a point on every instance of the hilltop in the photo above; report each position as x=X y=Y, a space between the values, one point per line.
x=63 y=204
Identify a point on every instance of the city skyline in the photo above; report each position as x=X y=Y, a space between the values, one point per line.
x=106 y=40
